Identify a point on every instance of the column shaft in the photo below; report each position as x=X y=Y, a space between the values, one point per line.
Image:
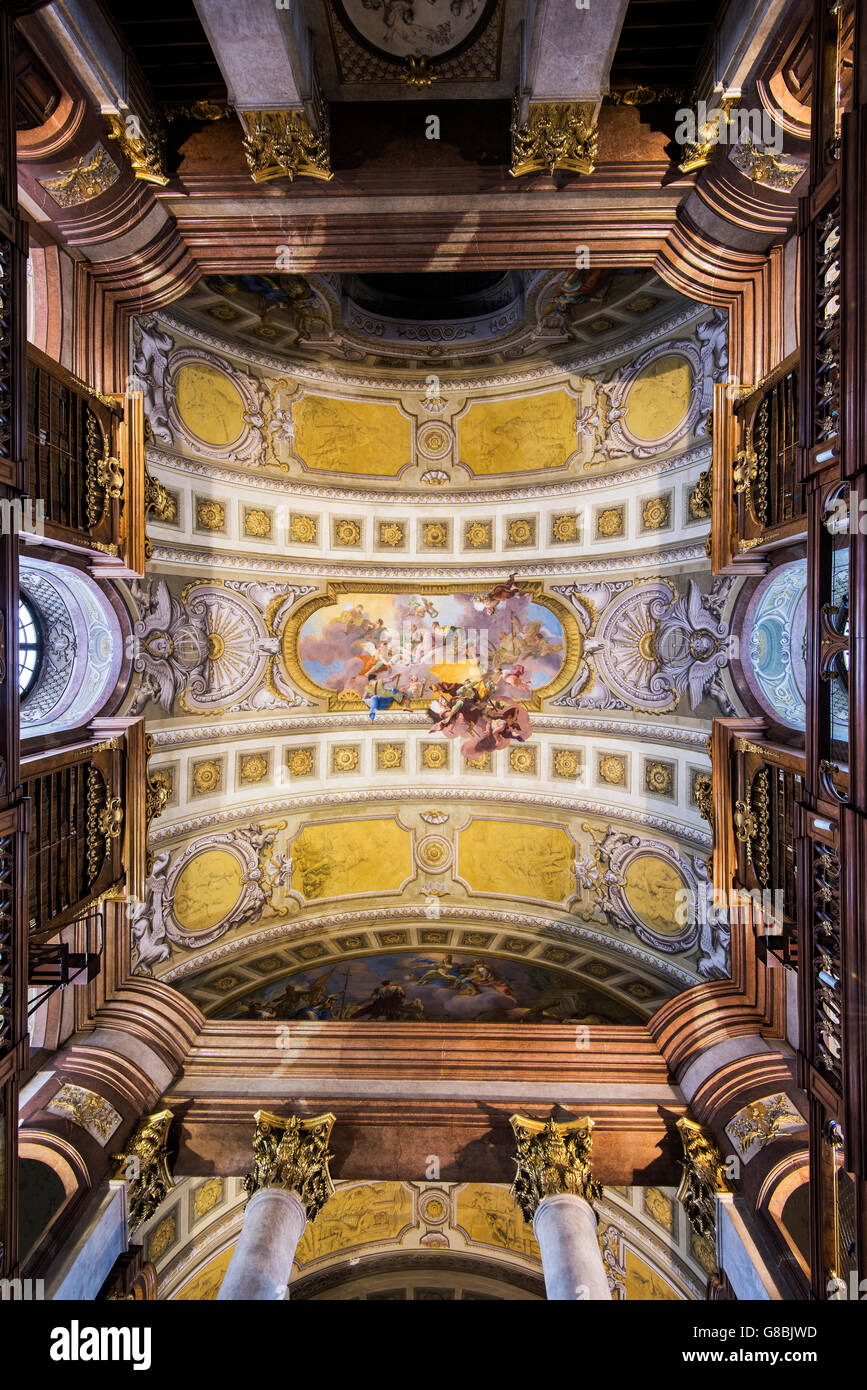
x=565 y=1227
x=261 y=1263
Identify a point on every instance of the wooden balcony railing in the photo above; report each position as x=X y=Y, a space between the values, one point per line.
x=765 y=784
x=767 y=496
x=77 y=799
x=753 y=491
x=86 y=462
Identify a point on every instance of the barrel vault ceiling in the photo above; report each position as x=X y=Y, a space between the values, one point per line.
x=336 y=512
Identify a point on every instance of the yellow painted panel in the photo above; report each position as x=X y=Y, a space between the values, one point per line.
x=204 y=1286
x=659 y=397
x=209 y=404
x=651 y=885
x=356 y=1215
x=491 y=1216
x=519 y=436
x=207 y=889
x=351 y=436
x=643 y=1283
x=518 y=859
x=350 y=856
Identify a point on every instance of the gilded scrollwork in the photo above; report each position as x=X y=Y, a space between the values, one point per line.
x=144 y=146
x=701 y=497
x=144 y=1165
x=704 y=1175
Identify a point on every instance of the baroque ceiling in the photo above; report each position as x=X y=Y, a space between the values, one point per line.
x=429 y=656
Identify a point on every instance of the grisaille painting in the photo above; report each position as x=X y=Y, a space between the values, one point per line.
x=433 y=987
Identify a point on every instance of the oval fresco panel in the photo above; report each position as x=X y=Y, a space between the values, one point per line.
x=651 y=886
x=419 y=639
x=659 y=397
x=432 y=986
x=207 y=889
x=209 y=404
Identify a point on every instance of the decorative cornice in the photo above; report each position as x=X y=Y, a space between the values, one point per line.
x=164 y=458
x=304 y=371
x=209 y=559
x=292 y=803
x=177 y=736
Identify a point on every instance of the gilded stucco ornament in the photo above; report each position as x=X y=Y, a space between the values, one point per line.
x=158 y=788
x=552 y=1158
x=704 y=1175
x=760 y=1122
x=556 y=135
x=144 y=1165
x=89 y=176
x=283 y=145
x=292 y=1153
x=701 y=151
x=92 y=1112
x=766 y=166
x=701 y=497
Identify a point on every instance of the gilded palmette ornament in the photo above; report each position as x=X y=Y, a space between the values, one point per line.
x=556 y=135
x=292 y=1153
x=703 y=1177
x=144 y=1166
x=552 y=1158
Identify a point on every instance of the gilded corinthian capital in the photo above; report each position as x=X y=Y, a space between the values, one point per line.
x=144 y=1164
x=556 y=135
x=292 y=1153
x=552 y=1158
x=704 y=1175
x=282 y=144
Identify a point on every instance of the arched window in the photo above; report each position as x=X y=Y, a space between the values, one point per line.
x=80 y=647
x=29 y=647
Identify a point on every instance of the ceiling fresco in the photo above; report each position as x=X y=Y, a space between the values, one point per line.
x=426 y=1240
x=439 y=987
x=429 y=660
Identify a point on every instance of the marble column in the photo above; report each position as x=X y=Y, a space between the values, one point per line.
x=288 y=1184
x=261 y=1263
x=554 y=1189
x=565 y=1227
